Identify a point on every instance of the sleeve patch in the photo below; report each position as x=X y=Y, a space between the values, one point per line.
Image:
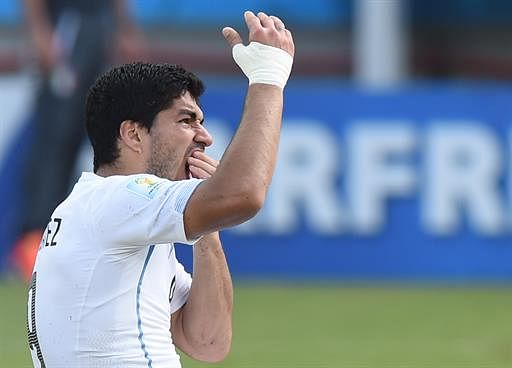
x=145 y=186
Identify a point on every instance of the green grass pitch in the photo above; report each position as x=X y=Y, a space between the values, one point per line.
x=317 y=326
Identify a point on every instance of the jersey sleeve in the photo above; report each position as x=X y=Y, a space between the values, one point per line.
x=183 y=283
x=142 y=210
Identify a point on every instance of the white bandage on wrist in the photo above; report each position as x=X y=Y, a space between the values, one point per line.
x=263 y=64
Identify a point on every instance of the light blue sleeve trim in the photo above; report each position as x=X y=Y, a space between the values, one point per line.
x=184 y=194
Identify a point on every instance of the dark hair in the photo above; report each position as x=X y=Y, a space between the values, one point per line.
x=136 y=91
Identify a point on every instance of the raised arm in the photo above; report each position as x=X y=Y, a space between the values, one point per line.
x=237 y=190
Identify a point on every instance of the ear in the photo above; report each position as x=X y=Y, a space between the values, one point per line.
x=131 y=134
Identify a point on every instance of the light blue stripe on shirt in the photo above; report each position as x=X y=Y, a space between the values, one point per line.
x=139 y=320
x=184 y=194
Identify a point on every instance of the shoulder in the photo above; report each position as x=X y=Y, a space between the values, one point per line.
x=144 y=185
x=141 y=185
x=119 y=193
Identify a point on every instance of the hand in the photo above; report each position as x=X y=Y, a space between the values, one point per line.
x=267 y=30
x=201 y=166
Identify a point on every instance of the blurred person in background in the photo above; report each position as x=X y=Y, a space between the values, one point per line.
x=73 y=43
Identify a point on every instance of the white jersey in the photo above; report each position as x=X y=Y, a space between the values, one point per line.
x=106 y=279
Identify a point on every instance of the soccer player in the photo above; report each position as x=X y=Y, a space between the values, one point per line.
x=107 y=290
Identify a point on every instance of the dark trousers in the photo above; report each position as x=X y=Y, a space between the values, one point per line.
x=60 y=128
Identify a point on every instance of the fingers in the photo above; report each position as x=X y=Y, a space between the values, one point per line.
x=278 y=23
x=201 y=165
x=262 y=20
x=265 y=20
x=251 y=20
x=199 y=173
x=204 y=157
x=264 y=29
x=231 y=36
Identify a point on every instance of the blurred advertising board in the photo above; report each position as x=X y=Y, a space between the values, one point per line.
x=413 y=183
x=408 y=184
x=197 y=12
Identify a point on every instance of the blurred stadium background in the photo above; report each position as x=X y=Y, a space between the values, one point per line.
x=385 y=240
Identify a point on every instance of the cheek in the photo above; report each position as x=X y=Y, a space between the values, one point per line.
x=181 y=140
x=172 y=143
x=165 y=152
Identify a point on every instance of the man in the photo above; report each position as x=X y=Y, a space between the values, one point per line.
x=106 y=284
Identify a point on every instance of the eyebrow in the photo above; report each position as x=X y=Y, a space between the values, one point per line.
x=191 y=113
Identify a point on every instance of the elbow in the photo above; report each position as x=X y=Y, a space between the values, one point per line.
x=222 y=354
x=253 y=202
x=238 y=204
x=246 y=205
x=213 y=352
x=217 y=356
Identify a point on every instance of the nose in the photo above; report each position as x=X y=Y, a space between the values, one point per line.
x=203 y=136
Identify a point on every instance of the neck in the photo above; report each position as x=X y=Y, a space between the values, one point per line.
x=117 y=169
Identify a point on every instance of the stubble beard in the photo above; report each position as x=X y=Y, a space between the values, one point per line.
x=162 y=162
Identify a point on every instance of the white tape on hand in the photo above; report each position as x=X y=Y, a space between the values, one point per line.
x=263 y=64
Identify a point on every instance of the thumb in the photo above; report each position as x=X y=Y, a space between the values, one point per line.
x=231 y=36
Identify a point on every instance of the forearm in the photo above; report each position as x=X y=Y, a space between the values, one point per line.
x=249 y=161
x=37 y=19
x=206 y=318
x=236 y=191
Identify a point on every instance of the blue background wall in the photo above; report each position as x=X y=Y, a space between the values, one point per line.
x=403 y=246
x=326 y=229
